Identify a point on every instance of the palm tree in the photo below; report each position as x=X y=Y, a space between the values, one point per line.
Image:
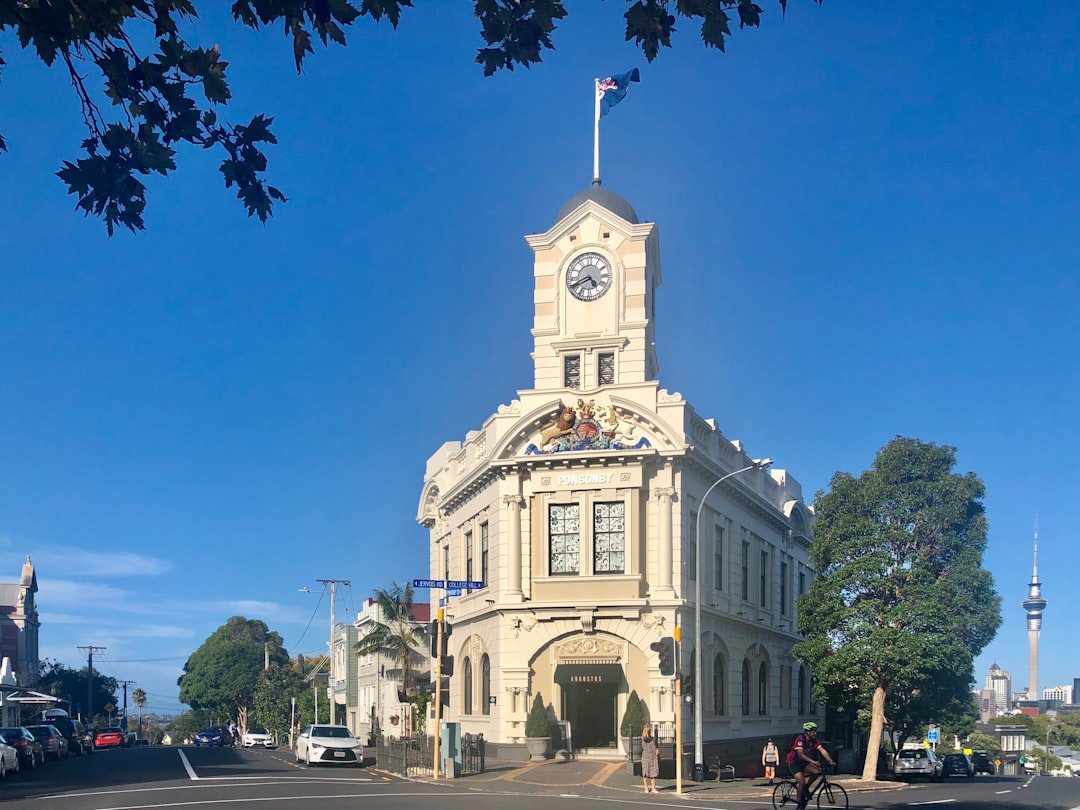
x=139 y=698
x=398 y=634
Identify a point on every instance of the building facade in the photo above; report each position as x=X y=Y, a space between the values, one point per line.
x=576 y=507
x=1000 y=682
x=19 y=626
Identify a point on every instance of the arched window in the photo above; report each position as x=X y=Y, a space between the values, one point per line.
x=485 y=685
x=802 y=690
x=746 y=686
x=763 y=689
x=719 y=686
x=466 y=687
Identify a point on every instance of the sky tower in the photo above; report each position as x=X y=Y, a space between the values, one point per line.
x=1034 y=605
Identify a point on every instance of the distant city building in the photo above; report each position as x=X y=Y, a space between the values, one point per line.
x=1034 y=605
x=1000 y=682
x=988 y=708
x=19 y=625
x=1064 y=694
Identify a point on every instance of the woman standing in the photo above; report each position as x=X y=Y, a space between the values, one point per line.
x=650 y=760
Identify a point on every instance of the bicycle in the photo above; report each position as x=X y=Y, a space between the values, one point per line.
x=829 y=794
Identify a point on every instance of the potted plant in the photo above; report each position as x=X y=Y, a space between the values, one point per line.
x=633 y=722
x=537 y=730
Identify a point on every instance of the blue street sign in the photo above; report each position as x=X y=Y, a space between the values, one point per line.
x=472 y=585
x=453 y=591
x=429 y=583
x=932 y=735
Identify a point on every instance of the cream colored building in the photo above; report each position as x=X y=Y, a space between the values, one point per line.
x=576 y=505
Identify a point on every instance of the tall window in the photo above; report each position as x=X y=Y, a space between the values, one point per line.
x=783 y=588
x=468 y=556
x=764 y=577
x=718 y=558
x=763 y=689
x=745 y=686
x=446 y=561
x=718 y=685
x=564 y=529
x=609 y=538
x=572 y=371
x=466 y=687
x=485 y=685
x=802 y=690
x=484 y=553
x=691 y=547
x=605 y=368
x=802 y=582
x=746 y=571
x=785 y=687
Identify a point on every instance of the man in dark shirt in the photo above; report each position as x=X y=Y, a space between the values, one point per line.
x=807 y=765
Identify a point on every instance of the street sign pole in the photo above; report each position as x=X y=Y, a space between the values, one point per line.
x=438 y=689
x=678 y=712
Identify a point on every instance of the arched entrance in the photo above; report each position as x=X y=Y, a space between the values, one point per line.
x=590 y=693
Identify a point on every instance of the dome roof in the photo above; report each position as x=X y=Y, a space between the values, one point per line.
x=602 y=197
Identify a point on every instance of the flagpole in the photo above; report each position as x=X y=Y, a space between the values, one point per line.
x=596 y=136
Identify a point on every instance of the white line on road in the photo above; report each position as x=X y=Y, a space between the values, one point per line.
x=1000 y=792
x=935 y=801
x=194 y=777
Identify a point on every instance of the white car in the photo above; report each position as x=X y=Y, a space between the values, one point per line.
x=324 y=743
x=9 y=759
x=258 y=738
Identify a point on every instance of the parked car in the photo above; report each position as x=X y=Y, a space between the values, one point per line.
x=30 y=752
x=956 y=765
x=53 y=742
x=9 y=759
x=258 y=738
x=918 y=762
x=79 y=739
x=110 y=738
x=982 y=762
x=215 y=735
x=140 y=741
x=323 y=743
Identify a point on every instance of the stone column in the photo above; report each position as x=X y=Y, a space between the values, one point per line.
x=664 y=572
x=514 y=503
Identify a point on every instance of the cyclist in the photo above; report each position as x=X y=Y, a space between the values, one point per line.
x=806 y=762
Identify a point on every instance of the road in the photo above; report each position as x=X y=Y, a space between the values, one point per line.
x=186 y=777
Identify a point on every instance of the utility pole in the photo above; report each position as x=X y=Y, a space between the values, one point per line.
x=90 y=680
x=125 y=685
x=330 y=688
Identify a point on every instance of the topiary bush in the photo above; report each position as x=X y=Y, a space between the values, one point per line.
x=536 y=725
x=633 y=719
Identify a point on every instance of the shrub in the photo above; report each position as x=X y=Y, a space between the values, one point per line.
x=536 y=725
x=633 y=719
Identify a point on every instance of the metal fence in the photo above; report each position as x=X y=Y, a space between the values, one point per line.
x=414 y=756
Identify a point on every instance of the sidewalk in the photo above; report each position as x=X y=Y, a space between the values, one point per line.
x=557 y=777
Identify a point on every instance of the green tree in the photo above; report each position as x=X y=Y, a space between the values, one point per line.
x=274 y=693
x=222 y=674
x=397 y=634
x=901 y=604
x=984 y=742
x=71 y=685
x=138 y=697
x=163 y=91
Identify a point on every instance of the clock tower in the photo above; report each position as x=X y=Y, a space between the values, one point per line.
x=596 y=272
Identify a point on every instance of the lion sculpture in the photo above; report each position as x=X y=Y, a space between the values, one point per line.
x=563 y=424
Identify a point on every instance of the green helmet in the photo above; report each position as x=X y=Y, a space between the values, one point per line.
x=809 y=726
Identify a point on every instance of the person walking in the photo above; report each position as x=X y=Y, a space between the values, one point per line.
x=650 y=760
x=770 y=757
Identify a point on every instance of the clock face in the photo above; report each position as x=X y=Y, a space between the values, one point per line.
x=588 y=276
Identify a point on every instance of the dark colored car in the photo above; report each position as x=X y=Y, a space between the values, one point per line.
x=53 y=742
x=215 y=735
x=110 y=738
x=982 y=763
x=957 y=765
x=79 y=738
x=30 y=752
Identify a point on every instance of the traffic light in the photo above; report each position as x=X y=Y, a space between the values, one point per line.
x=665 y=651
x=433 y=635
x=446 y=666
x=687 y=687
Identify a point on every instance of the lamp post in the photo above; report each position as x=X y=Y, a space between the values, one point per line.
x=699 y=757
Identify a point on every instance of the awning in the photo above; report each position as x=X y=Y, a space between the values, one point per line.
x=588 y=673
x=29 y=696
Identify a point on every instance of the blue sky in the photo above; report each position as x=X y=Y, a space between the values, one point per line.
x=867 y=216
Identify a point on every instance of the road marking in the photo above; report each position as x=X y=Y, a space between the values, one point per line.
x=194 y=777
x=999 y=792
x=935 y=801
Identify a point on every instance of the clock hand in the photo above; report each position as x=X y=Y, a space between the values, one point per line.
x=583 y=279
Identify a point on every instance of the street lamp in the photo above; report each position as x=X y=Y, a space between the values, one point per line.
x=699 y=757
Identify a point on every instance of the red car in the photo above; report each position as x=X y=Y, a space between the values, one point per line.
x=110 y=738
